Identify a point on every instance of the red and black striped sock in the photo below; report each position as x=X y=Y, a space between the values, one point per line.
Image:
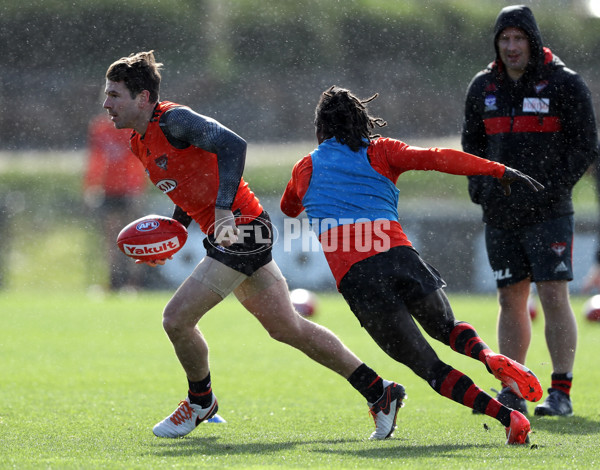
x=562 y=382
x=200 y=393
x=367 y=382
x=456 y=386
x=465 y=340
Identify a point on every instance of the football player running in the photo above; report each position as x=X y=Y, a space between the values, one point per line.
x=347 y=187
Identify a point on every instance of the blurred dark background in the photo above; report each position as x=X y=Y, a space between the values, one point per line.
x=258 y=66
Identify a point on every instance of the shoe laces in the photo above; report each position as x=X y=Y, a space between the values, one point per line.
x=373 y=414
x=182 y=413
x=376 y=408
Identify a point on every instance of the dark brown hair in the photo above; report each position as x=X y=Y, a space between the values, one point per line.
x=138 y=72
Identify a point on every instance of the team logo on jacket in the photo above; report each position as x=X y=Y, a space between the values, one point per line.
x=166 y=186
x=559 y=248
x=490 y=103
x=162 y=162
x=536 y=105
x=541 y=85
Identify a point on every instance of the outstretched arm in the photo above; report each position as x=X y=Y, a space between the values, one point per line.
x=455 y=162
x=511 y=175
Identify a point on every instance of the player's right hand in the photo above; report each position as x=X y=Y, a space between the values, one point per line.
x=153 y=263
x=226 y=232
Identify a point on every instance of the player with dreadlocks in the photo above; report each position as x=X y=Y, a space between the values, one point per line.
x=347 y=187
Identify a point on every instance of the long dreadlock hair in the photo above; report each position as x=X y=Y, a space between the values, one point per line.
x=342 y=115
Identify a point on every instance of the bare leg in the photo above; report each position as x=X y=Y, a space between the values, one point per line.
x=265 y=294
x=514 y=322
x=191 y=301
x=561 y=326
x=210 y=282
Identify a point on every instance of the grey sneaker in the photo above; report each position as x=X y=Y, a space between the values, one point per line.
x=557 y=404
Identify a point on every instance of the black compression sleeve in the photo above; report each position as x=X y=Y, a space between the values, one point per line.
x=184 y=127
x=181 y=216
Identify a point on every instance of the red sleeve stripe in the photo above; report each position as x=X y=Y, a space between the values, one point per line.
x=502 y=125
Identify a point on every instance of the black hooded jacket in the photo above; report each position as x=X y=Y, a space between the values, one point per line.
x=543 y=125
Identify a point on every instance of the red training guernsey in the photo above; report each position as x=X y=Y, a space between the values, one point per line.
x=189 y=176
x=344 y=245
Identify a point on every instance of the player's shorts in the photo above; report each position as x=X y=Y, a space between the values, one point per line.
x=380 y=282
x=541 y=252
x=251 y=251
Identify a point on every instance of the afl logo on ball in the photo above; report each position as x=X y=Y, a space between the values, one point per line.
x=147 y=225
x=166 y=185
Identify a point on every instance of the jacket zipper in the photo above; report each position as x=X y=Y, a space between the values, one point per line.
x=512 y=118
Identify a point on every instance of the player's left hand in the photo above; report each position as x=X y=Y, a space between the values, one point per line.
x=511 y=175
x=226 y=232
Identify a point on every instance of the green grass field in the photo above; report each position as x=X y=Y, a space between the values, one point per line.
x=84 y=379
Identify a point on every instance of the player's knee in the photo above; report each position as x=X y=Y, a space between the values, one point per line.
x=289 y=332
x=173 y=323
x=283 y=334
x=279 y=334
x=170 y=326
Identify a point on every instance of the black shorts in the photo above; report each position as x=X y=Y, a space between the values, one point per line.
x=380 y=282
x=252 y=250
x=541 y=252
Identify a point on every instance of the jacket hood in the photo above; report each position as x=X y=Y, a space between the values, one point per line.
x=521 y=16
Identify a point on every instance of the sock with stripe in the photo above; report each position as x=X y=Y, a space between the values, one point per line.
x=367 y=382
x=562 y=382
x=200 y=393
x=465 y=340
x=453 y=384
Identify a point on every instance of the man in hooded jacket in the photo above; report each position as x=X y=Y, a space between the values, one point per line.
x=529 y=111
